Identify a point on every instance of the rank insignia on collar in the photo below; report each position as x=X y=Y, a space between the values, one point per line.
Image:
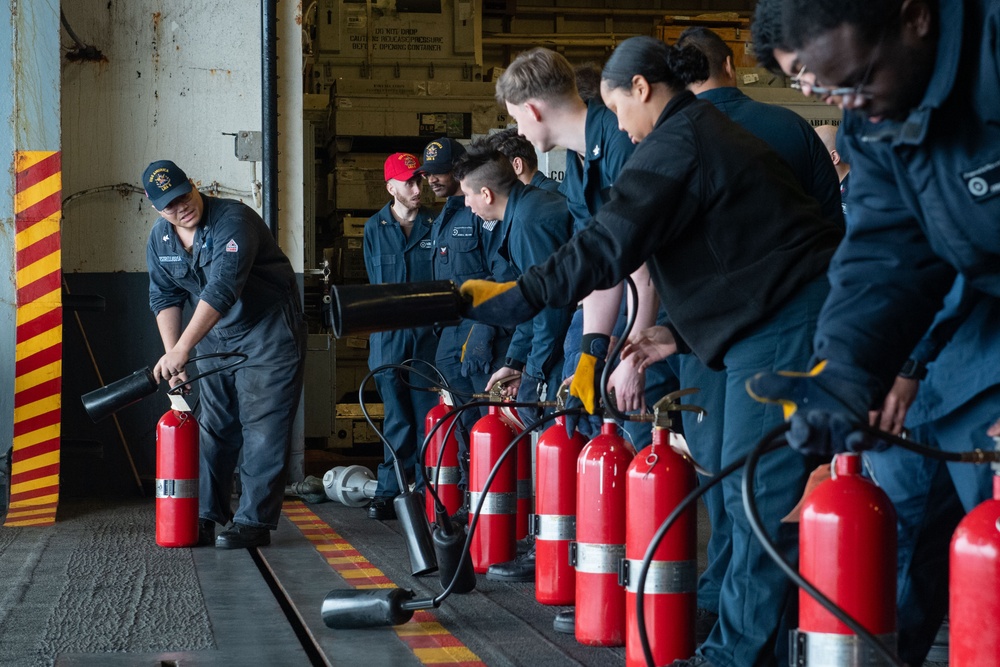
x=596 y=151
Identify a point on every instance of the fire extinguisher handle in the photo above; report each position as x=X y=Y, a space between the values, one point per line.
x=215 y=355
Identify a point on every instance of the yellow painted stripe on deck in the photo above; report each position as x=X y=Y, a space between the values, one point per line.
x=344 y=560
x=425 y=628
x=445 y=654
x=361 y=573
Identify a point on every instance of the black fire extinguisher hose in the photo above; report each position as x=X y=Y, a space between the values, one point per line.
x=410 y=604
x=397 y=464
x=241 y=357
x=486 y=487
x=610 y=405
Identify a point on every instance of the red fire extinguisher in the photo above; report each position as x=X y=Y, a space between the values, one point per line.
x=523 y=457
x=177 y=479
x=443 y=478
x=658 y=480
x=493 y=541
x=974 y=587
x=554 y=524
x=600 y=538
x=847 y=549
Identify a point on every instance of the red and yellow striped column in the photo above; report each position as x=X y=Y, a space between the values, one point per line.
x=34 y=483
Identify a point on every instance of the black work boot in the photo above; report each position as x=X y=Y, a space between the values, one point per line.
x=206 y=532
x=565 y=622
x=522 y=568
x=242 y=536
x=381 y=509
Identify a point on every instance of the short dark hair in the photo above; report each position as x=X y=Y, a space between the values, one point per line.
x=709 y=43
x=588 y=81
x=767 y=34
x=805 y=20
x=513 y=145
x=677 y=67
x=484 y=167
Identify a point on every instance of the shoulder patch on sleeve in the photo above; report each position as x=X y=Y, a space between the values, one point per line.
x=231 y=246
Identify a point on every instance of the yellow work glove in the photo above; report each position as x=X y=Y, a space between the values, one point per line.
x=499 y=304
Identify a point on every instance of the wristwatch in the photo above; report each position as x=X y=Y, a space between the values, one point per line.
x=913 y=370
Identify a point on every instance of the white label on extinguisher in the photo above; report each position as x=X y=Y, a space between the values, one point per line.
x=664 y=576
x=598 y=558
x=178 y=403
x=496 y=503
x=176 y=488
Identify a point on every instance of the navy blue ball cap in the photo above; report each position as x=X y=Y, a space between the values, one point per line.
x=440 y=156
x=164 y=182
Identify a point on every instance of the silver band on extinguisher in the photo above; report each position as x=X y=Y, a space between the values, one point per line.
x=496 y=503
x=555 y=526
x=598 y=558
x=176 y=488
x=826 y=649
x=447 y=475
x=664 y=576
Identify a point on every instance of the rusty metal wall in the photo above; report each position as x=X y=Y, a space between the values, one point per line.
x=173 y=79
x=29 y=113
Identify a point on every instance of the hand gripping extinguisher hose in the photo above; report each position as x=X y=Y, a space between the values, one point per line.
x=241 y=357
x=119 y=394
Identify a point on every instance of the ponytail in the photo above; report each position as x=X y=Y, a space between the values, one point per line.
x=656 y=62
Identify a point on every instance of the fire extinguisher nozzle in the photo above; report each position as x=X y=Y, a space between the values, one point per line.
x=111 y=398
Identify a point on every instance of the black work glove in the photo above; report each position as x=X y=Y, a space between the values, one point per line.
x=527 y=392
x=585 y=390
x=477 y=350
x=499 y=304
x=823 y=407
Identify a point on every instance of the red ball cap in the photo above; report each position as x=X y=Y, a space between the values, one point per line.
x=400 y=166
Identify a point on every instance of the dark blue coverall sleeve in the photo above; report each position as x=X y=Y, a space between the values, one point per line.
x=163 y=292
x=957 y=305
x=542 y=224
x=886 y=283
x=230 y=268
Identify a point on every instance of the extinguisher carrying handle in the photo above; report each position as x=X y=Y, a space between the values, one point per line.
x=214 y=355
